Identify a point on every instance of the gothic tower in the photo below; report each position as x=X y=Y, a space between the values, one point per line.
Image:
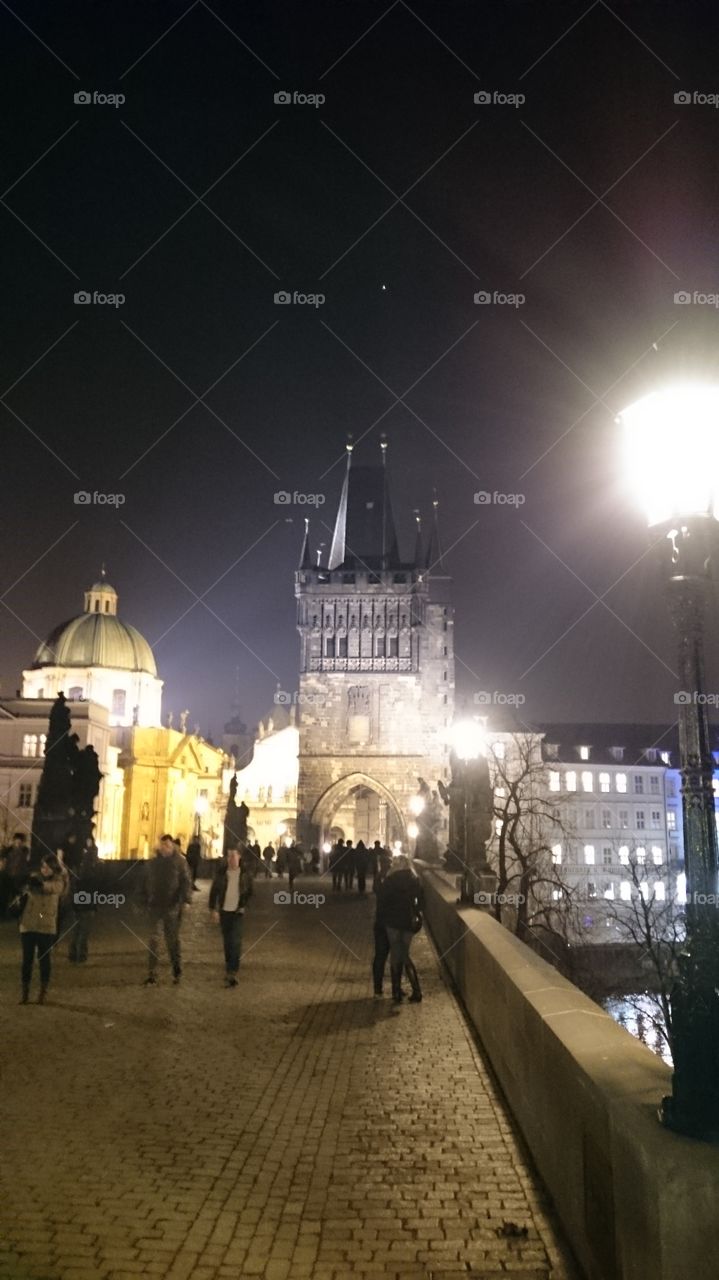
x=376 y=694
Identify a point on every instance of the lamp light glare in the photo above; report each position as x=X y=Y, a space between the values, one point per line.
x=416 y=805
x=412 y=830
x=469 y=739
x=671 y=452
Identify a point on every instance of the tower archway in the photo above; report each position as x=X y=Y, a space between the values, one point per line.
x=362 y=808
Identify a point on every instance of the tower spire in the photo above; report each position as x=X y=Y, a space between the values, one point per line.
x=338 y=548
x=434 y=550
x=305 y=553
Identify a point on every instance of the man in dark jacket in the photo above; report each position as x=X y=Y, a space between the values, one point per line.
x=167 y=891
x=400 y=900
x=361 y=859
x=348 y=865
x=336 y=864
x=231 y=891
x=194 y=858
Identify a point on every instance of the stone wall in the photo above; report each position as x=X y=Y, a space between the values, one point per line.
x=635 y=1201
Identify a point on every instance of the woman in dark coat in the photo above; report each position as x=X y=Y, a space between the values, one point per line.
x=400 y=905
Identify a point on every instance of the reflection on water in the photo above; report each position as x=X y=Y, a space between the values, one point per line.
x=641 y=1015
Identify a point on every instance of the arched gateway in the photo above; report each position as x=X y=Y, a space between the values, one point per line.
x=376 y=695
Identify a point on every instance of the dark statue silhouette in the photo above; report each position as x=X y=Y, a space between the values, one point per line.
x=69 y=786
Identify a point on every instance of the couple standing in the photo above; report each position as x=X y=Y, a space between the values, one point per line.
x=398 y=918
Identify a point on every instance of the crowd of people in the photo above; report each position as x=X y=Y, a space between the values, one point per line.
x=59 y=897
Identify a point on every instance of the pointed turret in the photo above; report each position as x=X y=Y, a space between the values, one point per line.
x=434 y=550
x=338 y=549
x=306 y=554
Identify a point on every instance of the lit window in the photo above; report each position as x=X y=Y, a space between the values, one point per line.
x=589 y=855
x=499 y=750
x=641 y=855
x=556 y=895
x=660 y=892
x=43 y=740
x=625 y=891
x=657 y=855
x=500 y=792
x=671 y=819
x=609 y=891
x=498 y=826
x=624 y=855
x=644 y=890
x=591 y=889
x=571 y=780
x=29 y=744
x=584 y=753
x=553 y=780
x=656 y=819
x=621 y=780
x=607 y=819
x=641 y=818
x=638 y=784
x=604 y=782
x=556 y=854
x=664 y=757
x=587 y=780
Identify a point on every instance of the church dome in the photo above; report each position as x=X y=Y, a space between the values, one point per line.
x=97 y=638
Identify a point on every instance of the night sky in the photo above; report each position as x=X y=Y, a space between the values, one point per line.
x=398 y=199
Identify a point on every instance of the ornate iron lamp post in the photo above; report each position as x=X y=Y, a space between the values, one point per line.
x=672 y=443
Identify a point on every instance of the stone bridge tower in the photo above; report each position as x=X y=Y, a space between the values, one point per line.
x=376 y=670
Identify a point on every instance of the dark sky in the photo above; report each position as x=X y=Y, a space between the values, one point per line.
x=398 y=198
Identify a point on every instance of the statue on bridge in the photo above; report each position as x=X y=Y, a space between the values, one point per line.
x=235 y=819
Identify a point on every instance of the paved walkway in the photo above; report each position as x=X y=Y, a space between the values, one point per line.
x=292 y=1127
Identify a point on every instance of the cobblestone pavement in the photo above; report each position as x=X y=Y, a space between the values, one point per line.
x=291 y=1127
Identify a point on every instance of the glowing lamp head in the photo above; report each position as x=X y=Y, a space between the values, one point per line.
x=326 y=847
x=469 y=740
x=412 y=830
x=201 y=805
x=671 y=452
x=416 y=805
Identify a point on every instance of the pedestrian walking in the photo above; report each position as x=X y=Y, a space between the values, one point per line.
x=314 y=860
x=361 y=861
x=400 y=900
x=38 y=923
x=194 y=858
x=281 y=861
x=257 y=861
x=167 y=890
x=84 y=904
x=348 y=865
x=336 y=864
x=230 y=892
x=268 y=854
x=294 y=863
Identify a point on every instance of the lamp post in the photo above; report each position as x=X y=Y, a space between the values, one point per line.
x=671 y=442
x=471 y=787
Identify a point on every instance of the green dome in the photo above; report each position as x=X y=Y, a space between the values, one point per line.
x=96 y=640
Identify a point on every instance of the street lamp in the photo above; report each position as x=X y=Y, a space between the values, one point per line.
x=671 y=441
x=470 y=782
x=416 y=805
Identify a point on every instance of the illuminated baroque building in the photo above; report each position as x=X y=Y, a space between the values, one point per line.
x=376 y=686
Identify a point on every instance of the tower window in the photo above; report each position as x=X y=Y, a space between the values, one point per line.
x=342 y=647
x=97 y=606
x=381 y=647
x=330 y=647
x=25 y=795
x=75 y=693
x=29 y=744
x=118 y=702
x=394 y=646
x=107 y=606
